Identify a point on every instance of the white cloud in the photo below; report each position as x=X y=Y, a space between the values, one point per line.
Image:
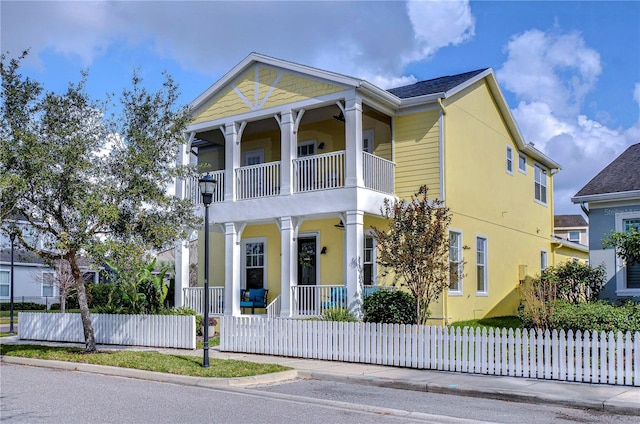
x=551 y=74
x=372 y=40
x=557 y=69
x=437 y=24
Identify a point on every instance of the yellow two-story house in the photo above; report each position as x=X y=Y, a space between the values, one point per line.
x=303 y=159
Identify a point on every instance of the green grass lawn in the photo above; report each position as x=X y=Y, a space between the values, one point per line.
x=495 y=322
x=173 y=364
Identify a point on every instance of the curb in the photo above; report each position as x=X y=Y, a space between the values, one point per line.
x=161 y=377
x=611 y=405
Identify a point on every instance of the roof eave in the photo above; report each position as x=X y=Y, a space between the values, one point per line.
x=570 y=244
x=606 y=197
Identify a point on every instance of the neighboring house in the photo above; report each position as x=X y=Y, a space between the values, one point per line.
x=304 y=159
x=612 y=201
x=570 y=238
x=34 y=281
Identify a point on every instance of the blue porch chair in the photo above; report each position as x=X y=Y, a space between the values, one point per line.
x=253 y=298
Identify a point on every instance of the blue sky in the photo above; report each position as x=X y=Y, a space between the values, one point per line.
x=570 y=71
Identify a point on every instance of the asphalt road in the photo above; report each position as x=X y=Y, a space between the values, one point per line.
x=41 y=395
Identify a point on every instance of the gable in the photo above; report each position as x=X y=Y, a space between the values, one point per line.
x=261 y=87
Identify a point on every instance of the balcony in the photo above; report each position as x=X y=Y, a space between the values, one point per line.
x=311 y=173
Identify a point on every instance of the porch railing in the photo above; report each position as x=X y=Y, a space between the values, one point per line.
x=193 y=298
x=312 y=301
x=319 y=172
x=274 y=308
x=261 y=180
x=378 y=173
x=193 y=188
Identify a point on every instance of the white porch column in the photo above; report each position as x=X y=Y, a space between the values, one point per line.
x=288 y=264
x=353 y=133
x=182 y=248
x=231 y=160
x=231 y=270
x=354 y=229
x=288 y=146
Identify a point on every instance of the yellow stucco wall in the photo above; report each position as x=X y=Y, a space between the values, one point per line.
x=417 y=153
x=562 y=254
x=288 y=89
x=487 y=201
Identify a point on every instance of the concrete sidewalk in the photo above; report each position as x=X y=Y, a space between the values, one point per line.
x=603 y=397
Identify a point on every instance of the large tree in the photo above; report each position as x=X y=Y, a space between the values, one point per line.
x=416 y=247
x=93 y=183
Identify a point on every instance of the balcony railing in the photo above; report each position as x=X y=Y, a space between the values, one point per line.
x=193 y=188
x=312 y=301
x=319 y=172
x=193 y=298
x=262 y=180
x=378 y=173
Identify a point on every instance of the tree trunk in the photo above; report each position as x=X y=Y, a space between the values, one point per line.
x=89 y=338
x=63 y=300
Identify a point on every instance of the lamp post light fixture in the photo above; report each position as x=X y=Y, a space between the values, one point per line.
x=12 y=237
x=207 y=187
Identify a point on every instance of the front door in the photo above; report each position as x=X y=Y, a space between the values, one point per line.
x=307 y=273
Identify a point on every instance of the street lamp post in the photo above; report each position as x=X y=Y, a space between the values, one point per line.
x=207 y=187
x=12 y=237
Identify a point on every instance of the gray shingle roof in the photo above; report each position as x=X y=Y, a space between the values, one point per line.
x=623 y=174
x=567 y=221
x=432 y=86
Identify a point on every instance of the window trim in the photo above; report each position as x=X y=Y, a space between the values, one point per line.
x=509 y=160
x=43 y=284
x=544 y=172
x=523 y=170
x=459 y=290
x=8 y=271
x=374 y=256
x=544 y=254
x=620 y=266
x=485 y=265
x=569 y=236
x=243 y=268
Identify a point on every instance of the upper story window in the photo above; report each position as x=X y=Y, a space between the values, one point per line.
x=455 y=261
x=522 y=163
x=540 y=184
x=509 y=160
x=574 y=236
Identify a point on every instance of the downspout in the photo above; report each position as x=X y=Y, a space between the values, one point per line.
x=441 y=148
x=552 y=172
x=584 y=209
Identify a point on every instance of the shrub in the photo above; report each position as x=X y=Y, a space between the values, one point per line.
x=392 y=307
x=596 y=316
x=100 y=294
x=540 y=296
x=23 y=306
x=338 y=314
x=575 y=281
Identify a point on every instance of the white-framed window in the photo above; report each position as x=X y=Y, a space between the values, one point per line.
x=627 y=275
x=254 y=272
x=481 y=265
x=543 y=260
x=367 y=141
x=574 y=236
x=5 y=287
x=522 y=163
x=369 y=269
x=455 y=262
x=509 y=160
x=48 y=279
x=306 y=148
x=540 y=184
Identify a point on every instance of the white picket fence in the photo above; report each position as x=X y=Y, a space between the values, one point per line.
x=134 y=330
x=558 y=355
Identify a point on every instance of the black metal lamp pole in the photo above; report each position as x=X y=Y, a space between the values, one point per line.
x=12 y=236
x=207 y=187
